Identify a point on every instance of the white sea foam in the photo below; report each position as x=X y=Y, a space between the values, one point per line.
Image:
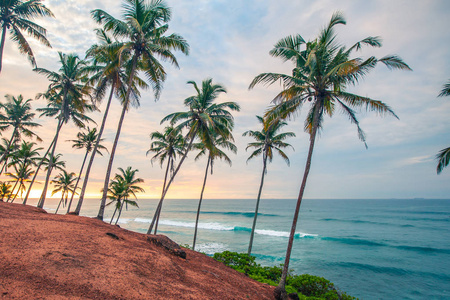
x=143 y=220
x=211 y=248
x=210 y=226
x=282 y=233
x=123 y=221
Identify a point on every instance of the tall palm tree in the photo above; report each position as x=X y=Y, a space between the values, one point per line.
x=443 y=157
x=26 y=153
x=268 y=140
x=86 y=140
x=64 y=183
x=322 y=71
x=16 y=16
x=22 y=174
x=123 y=186
x=18 y=116
x=203 y=117
x=167 y=145
x=5 y=190
x=213 y=151
x=143 y=40
x=108 y=69
x=68 y=100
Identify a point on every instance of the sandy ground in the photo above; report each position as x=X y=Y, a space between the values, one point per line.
x=47 y=256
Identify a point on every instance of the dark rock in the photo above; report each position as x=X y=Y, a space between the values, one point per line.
x=168 y=244
x=112 y=235
x=293 y=296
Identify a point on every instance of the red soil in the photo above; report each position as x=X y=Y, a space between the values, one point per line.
x=47 y=256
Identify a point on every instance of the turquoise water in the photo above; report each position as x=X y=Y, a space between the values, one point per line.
x=371 y=249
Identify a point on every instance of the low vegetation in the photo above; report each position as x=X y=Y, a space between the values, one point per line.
x=305 y=286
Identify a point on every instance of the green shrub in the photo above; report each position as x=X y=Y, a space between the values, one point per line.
x=306 y=286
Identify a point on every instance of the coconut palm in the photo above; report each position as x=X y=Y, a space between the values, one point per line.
x=26 y=153
x=108 y=69
x=5 y=190
x=213 y=151
x=68 y=99
x=122 y=187
x=64 y=183
x=22 y=174
x=267 y=141
x=50 y=163
x=86 y=140
x=18 y=116
x=166 y=145
x=322 y=71
x=203 y=117
x=16 y=16
x=143 y=40
x=443 y=157
x=7 y=151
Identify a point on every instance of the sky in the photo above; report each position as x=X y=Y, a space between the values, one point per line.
x=230 y=43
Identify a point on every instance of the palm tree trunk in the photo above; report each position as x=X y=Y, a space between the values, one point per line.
x=50 y=167
x=101 y=211
x=110 y=222
x=39 y=166
x=4 y=157
x=281 y=286
x=18 y=190
x=200 y=203
x=78 y=179
x=12 y=191
x=164 y=187
x=94 y=151
x=158 y=209
x=252 y=234
x=120 y=211
x=2 y=45
x=62 y=198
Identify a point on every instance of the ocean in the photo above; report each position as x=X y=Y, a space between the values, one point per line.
x=371 y=249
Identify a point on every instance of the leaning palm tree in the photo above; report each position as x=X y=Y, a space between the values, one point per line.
x=64 y=183
x=86 y=140
x=16 y=16
x=212 y=149
x=115 y=194
x=26 y=153
x=5 y=190
x=166 y=145
x=126 y=185
x=108 y=69
x=7 y=151
x=143 y=40
x=267 y=141
x=68 y=98
x=19 y=117
x=443 y=157
x=203 y=117
x=323 y=69
x=22 y=174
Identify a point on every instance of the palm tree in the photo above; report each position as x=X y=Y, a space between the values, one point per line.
x=52 y=162
x=213 y=151
x=67 y=100
x=22 y=174
x=18 y=116
x=443 y=157
x=108 y=69
x=64 y=183
x=27 y=154
x=268 y=141
x=167 y=145
x=322 y=71
x=203 y=117
x=122 y=187
x=7 y=151
x=5 y=190
x=143 y=32
x=85 y=141
x=16 y=16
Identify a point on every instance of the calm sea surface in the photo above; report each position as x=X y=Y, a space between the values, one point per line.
x=371 y=249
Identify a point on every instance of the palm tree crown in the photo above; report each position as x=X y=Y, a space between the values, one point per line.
x=443 y=157
x=323 y=69
x=16 y=16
